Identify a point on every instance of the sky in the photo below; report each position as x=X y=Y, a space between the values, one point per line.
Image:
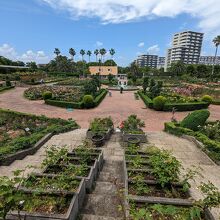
x=31 y=29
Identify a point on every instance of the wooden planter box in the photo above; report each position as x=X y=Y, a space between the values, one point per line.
x=6 y=161
x=141 y=137
x=71 y=213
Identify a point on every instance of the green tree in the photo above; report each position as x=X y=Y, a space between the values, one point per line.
x=110 y=63
x=32 y=65
x=145 y=83
x=110 y=77
x=57 y=51
x=102 y=52
x=190 y=69
x=96 y=52
x=216 y=42
x=178 y=68
x=72 y=52
x=82 y=52
x=202 y=70
x=89 y=53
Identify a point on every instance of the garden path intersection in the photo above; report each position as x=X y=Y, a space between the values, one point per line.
x=118 y=106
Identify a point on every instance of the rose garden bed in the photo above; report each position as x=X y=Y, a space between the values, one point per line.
x=66 y=96
x=22 y=134
x=177 y=102
x=57 y=193
x=153 y=188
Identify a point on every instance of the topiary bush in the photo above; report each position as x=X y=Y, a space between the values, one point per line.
x=47 y=95
x=159 y=102
x=207 y=98
x=195 y=119
x=88 y=101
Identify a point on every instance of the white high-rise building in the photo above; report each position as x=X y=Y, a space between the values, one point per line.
x=186 y=47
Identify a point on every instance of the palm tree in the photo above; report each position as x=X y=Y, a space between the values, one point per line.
x=96 y=52
x=112 y=52
x=72 y=52
x=57 y=51
x=102 y=52
x=216 y=41
x=89 y=53
x=82 y=52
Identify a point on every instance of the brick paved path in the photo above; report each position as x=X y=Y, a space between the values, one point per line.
x=119 y=106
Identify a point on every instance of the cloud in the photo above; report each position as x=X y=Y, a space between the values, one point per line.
x=141 y=44
x=98 y=44
x=38 y=57
x=114 y=11
x=9 y=52
x=153 y=49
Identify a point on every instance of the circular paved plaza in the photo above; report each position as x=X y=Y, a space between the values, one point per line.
x=119 y=107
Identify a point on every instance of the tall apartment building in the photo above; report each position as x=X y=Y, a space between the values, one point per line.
x=209 y=60
x=147 y=60
x=186 y=47
x=160 y=62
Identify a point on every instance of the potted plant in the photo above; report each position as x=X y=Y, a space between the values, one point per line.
x=132 y=130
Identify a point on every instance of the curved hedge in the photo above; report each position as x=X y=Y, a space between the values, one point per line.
x=190 y=106
x=147 y=101
x=212 y=148
x=76 y=105
x=6 y=88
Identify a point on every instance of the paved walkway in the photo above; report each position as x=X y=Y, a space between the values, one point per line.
x=119 y=106
x=70 y=140
x=187 y=152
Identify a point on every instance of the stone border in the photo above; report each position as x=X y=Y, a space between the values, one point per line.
x=71 y=214
x=108 y=134
x=201 y=146
x=155 y=200
x=6 y=161
x=81 y=189
x=141 y=137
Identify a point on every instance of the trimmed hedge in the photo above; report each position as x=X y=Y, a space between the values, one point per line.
x=212 y=147
x=147 y=101
x=216 y=102
x=76 y=105
x=6 y=88
x=190 y=106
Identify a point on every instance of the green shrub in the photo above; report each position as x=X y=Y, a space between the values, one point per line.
x=207 y=98
x=159 y=102
x=47 y=95
x=147 y=101
x=88 y=101
x=8 y=83
x=188 y=106
x=195 y=119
